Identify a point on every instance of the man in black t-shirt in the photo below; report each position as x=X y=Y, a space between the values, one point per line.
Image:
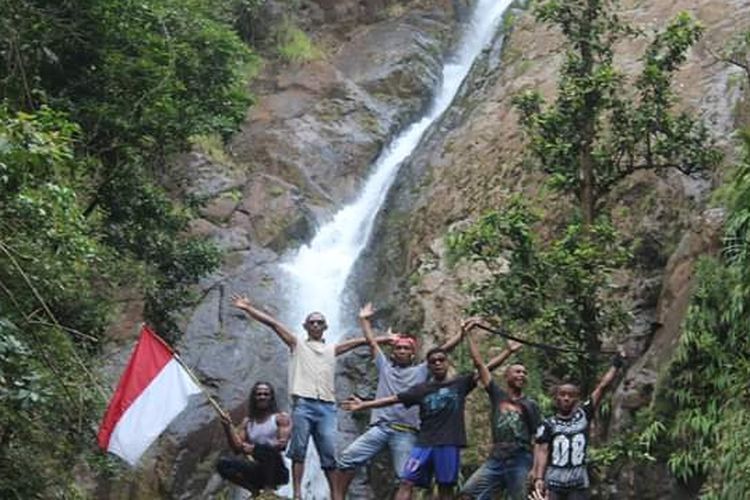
x=514 y=420
x=442 y=432
x=562 y=441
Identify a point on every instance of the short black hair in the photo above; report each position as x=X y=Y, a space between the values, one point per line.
x=435 y=350
x=575 y=386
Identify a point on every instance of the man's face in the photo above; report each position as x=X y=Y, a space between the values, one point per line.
x=566 y=397
x=515 y=377
x=262 y=396
x=402 y=354
x=438 y=365
x=315 y=325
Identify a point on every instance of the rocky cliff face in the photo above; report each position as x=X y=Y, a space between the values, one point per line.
x=305 y=148
x=302 y=153
x=475 y=164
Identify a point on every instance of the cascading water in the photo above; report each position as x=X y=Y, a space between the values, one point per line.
x=319 y=271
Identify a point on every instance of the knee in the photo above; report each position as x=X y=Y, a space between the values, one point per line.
x=223 y=467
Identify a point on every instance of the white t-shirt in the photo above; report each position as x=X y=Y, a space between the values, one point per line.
x=311 y=370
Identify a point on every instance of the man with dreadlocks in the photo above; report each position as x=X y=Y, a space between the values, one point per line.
x=263 y=435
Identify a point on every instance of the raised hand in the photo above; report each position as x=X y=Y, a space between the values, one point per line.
x=367 y=311
x=240 y=301
x=514 y=345
x=470 y=323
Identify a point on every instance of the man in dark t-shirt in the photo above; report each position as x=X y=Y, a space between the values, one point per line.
x=442 y=433
x=562 y=440
x=514 y=420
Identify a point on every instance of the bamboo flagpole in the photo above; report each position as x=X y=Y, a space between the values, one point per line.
x=223 y=414
x=214 y=403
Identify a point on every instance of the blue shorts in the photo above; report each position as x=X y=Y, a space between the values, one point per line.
x=424 y=461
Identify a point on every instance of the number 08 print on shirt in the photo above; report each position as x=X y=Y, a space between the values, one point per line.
x=567 y=439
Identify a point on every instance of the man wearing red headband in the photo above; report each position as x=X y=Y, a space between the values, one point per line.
x=394 y=426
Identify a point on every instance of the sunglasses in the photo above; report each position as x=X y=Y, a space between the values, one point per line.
x=316 y=322
x=436 y=360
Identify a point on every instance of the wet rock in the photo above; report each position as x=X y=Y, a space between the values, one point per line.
x=274 y=213
x=324 y=122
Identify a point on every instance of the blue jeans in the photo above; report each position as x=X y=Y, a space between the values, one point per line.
x=369 y=444
x=316 y=418
x=507 y=474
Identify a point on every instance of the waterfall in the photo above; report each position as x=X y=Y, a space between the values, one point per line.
x=319 y=270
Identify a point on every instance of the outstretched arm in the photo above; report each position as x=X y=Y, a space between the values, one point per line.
x=242 y=302
x=484 y=374
x=356 y=404
x=617 y=362
x=348 y=345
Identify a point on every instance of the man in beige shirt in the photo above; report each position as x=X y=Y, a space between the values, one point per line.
x=311 y=382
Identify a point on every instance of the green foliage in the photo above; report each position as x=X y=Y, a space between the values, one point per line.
x=704 y=400
x=51 y=313
x=94 y=97
x=546 y=285
x=294 y=46
x=601 y=129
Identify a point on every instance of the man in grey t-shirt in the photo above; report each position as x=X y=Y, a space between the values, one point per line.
x=394 y=426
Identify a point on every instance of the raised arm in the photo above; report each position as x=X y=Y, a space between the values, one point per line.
x=484 y=374
x=242 y=302
x=356 y=404
x=364 y=322
x=617 y=362
x=511 y=345
x=453 y=341
x=283 y=430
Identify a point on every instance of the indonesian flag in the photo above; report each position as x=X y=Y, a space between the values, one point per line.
x=153 y=390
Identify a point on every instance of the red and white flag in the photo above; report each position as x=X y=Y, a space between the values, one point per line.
x=153 y=390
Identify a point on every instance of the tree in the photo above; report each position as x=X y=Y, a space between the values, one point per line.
x=600 y=129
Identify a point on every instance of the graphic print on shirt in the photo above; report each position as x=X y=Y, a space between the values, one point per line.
x=443 y=398
x=568 y=440
x=568 y=450
x=509 y=426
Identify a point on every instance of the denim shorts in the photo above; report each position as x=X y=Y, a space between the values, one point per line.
x=496 y=474
x=377 y=437
x=317 y=419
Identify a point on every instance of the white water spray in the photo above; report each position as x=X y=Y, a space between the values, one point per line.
x=319 y=271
